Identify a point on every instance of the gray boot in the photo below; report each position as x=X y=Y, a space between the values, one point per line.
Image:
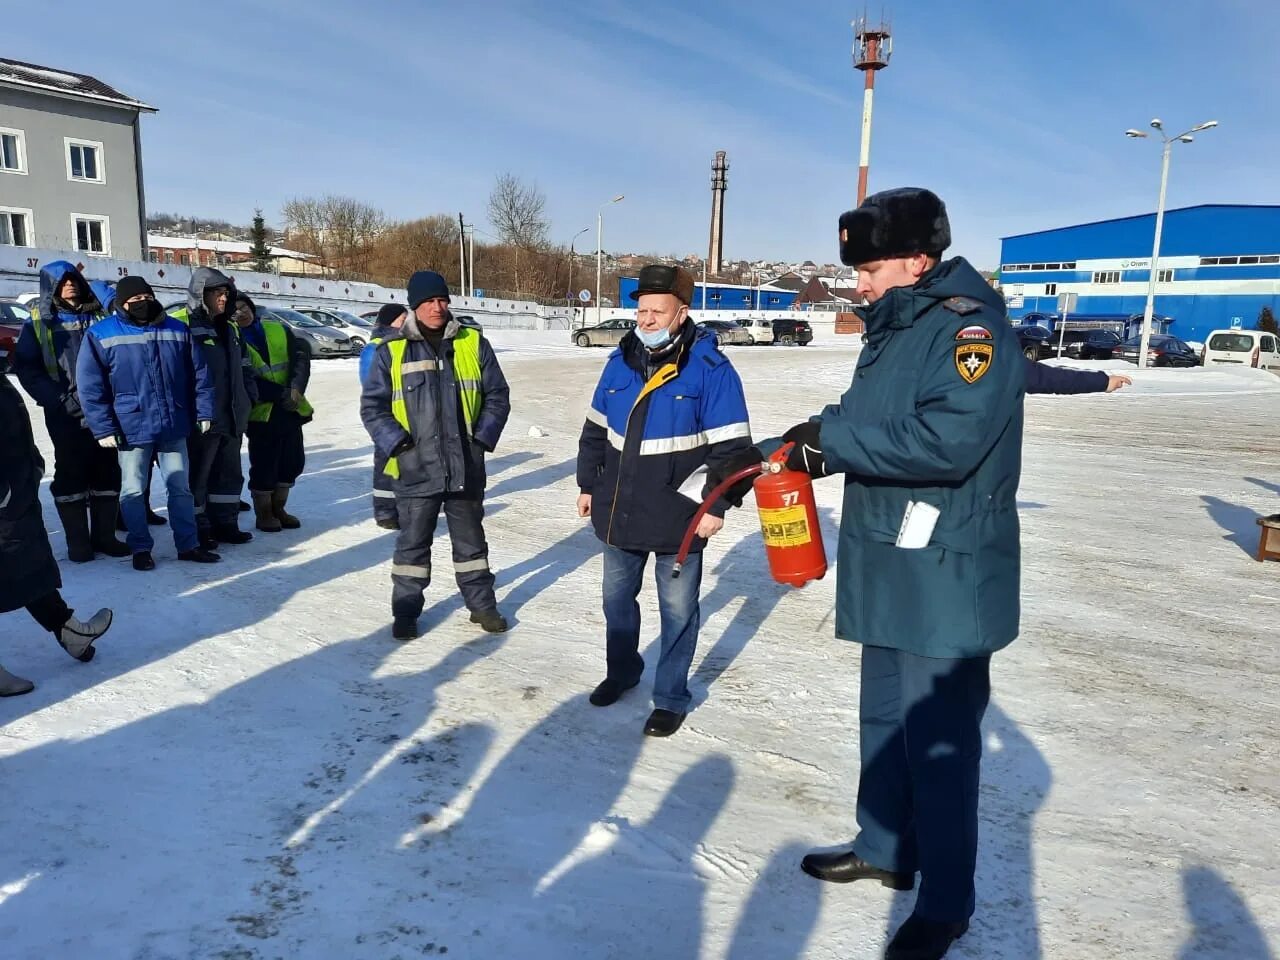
x=74 y=515
x=76 y=637
x=11 y=686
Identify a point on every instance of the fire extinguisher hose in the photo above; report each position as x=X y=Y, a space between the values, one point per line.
x=755 y=469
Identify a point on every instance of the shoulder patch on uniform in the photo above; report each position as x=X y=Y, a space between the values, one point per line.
x=973 y=359
x=962 y=305
x=974 y=332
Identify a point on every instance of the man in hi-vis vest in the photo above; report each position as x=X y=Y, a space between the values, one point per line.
x=435 y=403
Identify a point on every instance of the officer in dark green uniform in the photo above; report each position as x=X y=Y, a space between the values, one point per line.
x=929 y=439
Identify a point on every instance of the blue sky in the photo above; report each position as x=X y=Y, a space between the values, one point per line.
x=1012 y=110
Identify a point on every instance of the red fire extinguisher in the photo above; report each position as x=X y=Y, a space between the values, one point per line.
x=788 y=520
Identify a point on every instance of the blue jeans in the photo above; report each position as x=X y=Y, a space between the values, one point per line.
x=678 y=612
x=921 y=725
x=171 y=458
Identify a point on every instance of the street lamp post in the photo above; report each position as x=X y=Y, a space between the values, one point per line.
x=568 y=300
x=1155 y=252
x=600 y=251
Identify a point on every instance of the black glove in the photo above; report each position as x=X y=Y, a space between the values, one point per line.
x=71 y=404
x=731 y=465
x=806 y=456
x=402 y=446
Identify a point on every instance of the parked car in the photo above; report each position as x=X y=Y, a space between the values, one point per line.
x=355 y=327
x=12 y=316
x=607 y=334
x=760 y=328
x=788 y=330
x=1163 y=350
x=1086 y=344
x=324 y=341
x=727 y=333
x=1034 y=342
x=1248 y=348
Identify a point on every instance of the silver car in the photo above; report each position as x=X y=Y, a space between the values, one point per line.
x=607 y=334
x=727 y=333
x=357 y=328
x=324 y=341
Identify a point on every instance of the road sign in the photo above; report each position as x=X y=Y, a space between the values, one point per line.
x=584 y=296
x=1067 y=302
x=1237 y=323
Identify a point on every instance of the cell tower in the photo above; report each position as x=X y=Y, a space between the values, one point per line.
x=872 y=48
x=719 y=183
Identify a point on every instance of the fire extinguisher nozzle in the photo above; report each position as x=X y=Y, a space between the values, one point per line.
x=675 y=572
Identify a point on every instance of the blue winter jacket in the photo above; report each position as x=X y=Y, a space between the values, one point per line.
x=380 y=334
x=146 y=384
x=637 y=448
x=105 y=291
x=1050 y=378
x=443 y=458
x=56 y=393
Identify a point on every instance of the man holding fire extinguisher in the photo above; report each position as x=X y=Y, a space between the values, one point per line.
x=929 y=439
x=668 y=403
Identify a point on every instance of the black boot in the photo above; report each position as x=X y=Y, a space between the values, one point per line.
x=663 y=723
x=921 y=939
x=404 y=628
x=608 y=691
x=199 y=555
x=143 y=561
x=388 y=523
x=103 y=512
x=847 y=867
x=244 y=507
x=491 y=621
x=204 y=530
x=230 y=533
x=74 y=515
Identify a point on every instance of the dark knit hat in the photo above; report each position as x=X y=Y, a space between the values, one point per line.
x=662 y=278
x=388 y=313
x=426 y=285
x=244 y=298
x=131 y=286
x=894 y=223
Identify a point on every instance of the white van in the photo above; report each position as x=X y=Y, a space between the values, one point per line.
x=1248 y=348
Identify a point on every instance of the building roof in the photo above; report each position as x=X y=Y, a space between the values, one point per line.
x=78 y=86
x=1141 y=216
x=159 y=242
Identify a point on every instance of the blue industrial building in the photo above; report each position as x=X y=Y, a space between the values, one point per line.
x=1219 y=266
x=722 y=296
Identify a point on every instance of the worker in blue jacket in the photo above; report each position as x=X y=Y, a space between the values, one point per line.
x=667 y=404
x=86 y=478
x=387 y=325
x=929 y=441
x=144 y=387
x=435 y=403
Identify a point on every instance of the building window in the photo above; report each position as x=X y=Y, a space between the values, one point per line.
x=1274 y=258
x=93 y=234
x=1164 y=276
x=1248 y=260
x=84 y=161
x=153 y=256
x=168 y=256
x=1050 y=289
x=1106 y=276
x=13 y=151
x=186 y=260
x=15 y=227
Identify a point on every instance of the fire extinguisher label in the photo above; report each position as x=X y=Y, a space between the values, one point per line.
x=785 y=526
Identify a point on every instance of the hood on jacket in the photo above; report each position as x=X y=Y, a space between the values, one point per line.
x=51 y=277
x=950 y=278
x=105 y=291
x=206 y=278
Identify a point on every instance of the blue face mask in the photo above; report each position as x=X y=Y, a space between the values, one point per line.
x=653 y=339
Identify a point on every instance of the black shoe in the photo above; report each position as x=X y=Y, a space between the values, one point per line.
x=388 y=523
x=848 y=866
x=207 y=540
x=404 y=628
x=608 y=691
x=491 y=621
x=143 y=561
x=154 y=519
x=921 y=939
x=244 y=507
x=199 y=555
x=662 y=723
x=230 y=533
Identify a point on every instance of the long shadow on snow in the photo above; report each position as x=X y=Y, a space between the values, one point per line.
x=1016 y=779
x=1264 y=484
x=533 y=479
x=314 y=756
x=780 y=915
x=1240 y=523
x=1222 y=924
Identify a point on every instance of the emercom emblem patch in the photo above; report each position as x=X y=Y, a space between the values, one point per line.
x=973 y=360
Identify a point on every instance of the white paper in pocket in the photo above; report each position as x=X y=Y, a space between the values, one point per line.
x=692 y=487
x=917 y=525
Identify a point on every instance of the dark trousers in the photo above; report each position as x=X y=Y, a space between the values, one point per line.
x=216 y=476
x=276 y=451
x=81 y=468
x=921 y=727
x=384 y=498
x=411 y=565
x=679 y=614
x=50 y=611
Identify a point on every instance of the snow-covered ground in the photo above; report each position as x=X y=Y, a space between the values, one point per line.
x=252 y=768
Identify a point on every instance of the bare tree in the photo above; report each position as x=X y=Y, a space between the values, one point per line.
x=430 y=243
x=340 y=230
x=518 y=212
